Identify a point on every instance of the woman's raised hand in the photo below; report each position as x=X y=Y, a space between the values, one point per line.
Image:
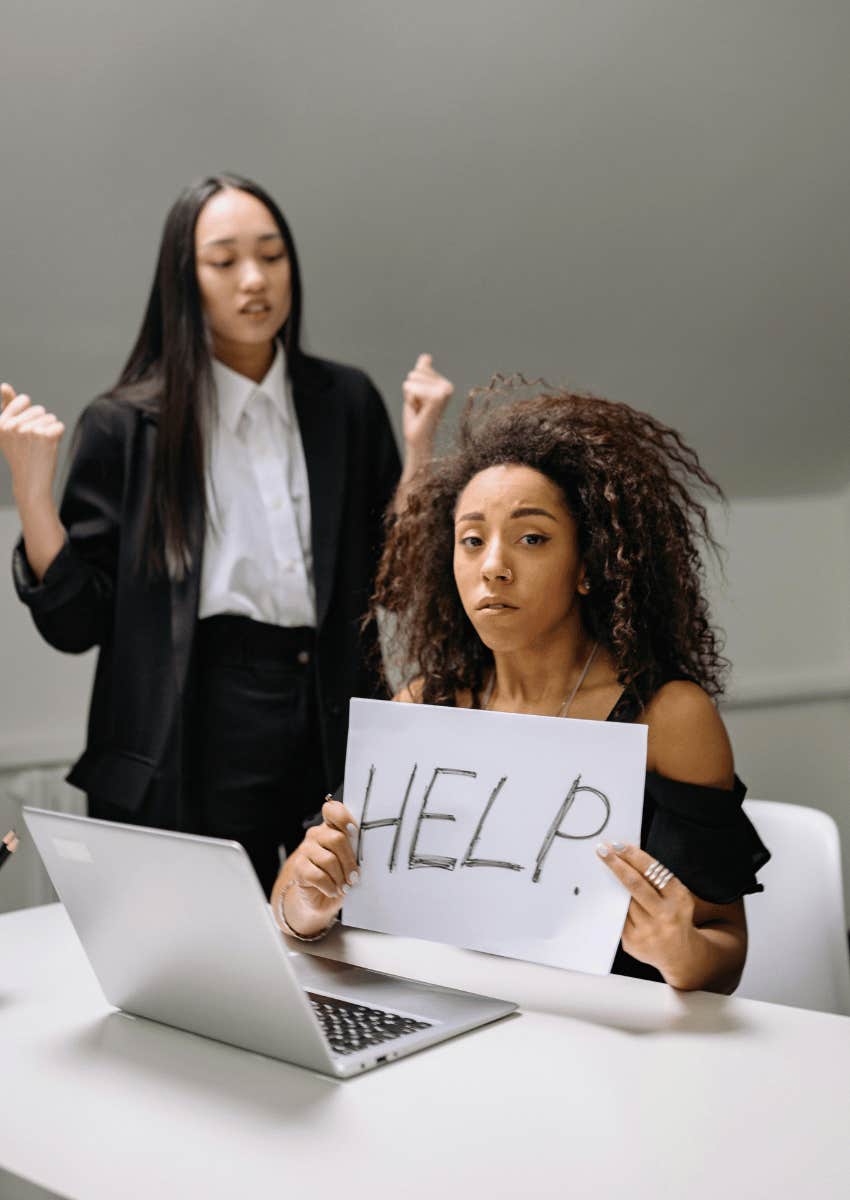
x=426 y=393
x=320 y=872
x=29 y=439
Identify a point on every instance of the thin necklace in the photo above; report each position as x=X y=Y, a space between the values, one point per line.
x=565 y=707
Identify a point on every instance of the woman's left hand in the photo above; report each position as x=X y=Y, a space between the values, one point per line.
x=426 y=394
x=659 y=927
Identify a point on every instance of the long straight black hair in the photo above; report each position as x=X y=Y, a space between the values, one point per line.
x=169 y=373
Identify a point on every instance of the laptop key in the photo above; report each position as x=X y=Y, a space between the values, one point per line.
x=350 y=1027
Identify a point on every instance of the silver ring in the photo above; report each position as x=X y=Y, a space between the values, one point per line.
x=658 y=875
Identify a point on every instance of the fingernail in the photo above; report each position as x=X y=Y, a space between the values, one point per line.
x=602 y=850
x=346 y=888
x=353 y=878
x=351 y=830
x=618 y=846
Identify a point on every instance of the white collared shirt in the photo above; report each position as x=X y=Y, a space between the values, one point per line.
x=258 y=560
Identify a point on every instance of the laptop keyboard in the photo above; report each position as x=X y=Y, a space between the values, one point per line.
x=351 y=1027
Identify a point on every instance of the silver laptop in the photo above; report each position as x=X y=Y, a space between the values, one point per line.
x=177 y=929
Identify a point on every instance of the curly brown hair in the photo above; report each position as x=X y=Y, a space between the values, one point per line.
x=627 y=480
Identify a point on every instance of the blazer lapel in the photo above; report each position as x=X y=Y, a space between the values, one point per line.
x=322 y=428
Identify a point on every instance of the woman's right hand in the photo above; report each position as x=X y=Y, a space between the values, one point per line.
x=29 y=439
x=321 y=871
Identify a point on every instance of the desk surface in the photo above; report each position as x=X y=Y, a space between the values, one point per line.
x=600 y=1087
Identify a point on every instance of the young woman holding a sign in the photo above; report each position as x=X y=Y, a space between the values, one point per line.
x=551 y=566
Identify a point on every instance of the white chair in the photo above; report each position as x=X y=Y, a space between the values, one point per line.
x=798 y=935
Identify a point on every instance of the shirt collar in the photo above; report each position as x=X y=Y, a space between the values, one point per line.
x=235 y=392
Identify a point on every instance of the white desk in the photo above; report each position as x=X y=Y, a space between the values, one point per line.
x=600 y=1088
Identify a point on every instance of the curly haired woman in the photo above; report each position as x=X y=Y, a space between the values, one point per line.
x=551 y=565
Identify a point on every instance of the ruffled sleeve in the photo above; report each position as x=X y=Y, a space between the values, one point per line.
x=703 y=835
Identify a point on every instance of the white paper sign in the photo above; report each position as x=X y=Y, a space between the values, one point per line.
x=479 y=829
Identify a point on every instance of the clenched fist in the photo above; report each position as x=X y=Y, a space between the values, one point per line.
x=29 y=439
x=426 y=393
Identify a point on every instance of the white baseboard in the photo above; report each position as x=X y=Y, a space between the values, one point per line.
x=56 y=748
x=799 y=687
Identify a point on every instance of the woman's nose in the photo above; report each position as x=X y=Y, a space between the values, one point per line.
x=252 y=276
x=494 y=565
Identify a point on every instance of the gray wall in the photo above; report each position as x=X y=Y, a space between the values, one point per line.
x=648 y=198
x=645 y=197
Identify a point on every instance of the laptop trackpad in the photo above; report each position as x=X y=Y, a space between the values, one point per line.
x=370 y=988
x=314 y=971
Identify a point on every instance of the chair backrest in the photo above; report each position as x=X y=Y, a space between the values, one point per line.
x=798 y=934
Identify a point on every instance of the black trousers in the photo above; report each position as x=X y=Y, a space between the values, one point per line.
x=254 y=765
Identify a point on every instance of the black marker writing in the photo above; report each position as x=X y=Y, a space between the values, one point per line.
x=555 y=828
x=468 y=860
x=434 y=860
x=384 y=821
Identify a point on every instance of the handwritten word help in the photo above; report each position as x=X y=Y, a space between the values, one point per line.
x=478 y=829
x=444 y=862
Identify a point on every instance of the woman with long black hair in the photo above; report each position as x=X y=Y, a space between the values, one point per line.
x=218 y=537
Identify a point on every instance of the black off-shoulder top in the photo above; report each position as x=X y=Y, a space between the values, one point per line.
x=700 y=833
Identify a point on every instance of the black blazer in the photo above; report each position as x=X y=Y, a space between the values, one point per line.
x=94 y=592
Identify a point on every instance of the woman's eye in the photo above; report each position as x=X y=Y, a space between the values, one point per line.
x=227 y=263
x=534 y=539
x=471 y=541
x=274 y=257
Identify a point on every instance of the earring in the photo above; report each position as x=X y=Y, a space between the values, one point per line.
x=584 y=586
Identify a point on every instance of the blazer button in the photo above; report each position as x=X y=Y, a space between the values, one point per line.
x=335 y=710
x=303 y=657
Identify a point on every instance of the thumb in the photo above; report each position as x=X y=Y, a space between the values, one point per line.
x=424 y=360
x=7 y=395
